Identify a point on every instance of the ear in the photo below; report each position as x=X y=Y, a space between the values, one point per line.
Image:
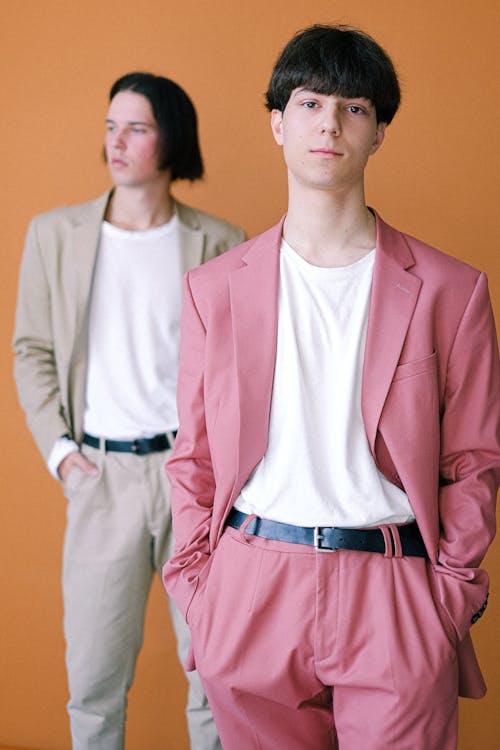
x=277 y=126
x=379 y=137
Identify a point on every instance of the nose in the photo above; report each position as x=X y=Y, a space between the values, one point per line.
x=331 y=120
x=117 y=139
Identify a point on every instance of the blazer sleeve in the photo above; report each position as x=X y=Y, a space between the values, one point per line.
x=190 y=469
x=35 y=368
x=470 y=461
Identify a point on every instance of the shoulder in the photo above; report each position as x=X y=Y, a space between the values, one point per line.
x=66 y=217
x=257 y=249
x=209 y=224
x=448 y=283
x=428 y=256
x=431 y=264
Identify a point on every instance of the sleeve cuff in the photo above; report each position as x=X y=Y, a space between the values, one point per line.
x=61 y=448
x=480 y=612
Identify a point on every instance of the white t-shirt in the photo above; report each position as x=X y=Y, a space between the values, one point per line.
x=133 y=336
x=318 y=469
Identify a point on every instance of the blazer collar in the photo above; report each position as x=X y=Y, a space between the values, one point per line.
x=191 y=237
x=393 y=298
x=254 y=303
x=253 y=290
x=87 y=230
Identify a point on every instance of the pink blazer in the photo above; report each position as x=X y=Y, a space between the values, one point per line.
x=430 y=405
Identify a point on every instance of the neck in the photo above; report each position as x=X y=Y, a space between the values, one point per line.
x=329 y=229
x=139 y=208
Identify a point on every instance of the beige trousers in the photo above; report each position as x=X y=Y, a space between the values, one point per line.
x=118 y=534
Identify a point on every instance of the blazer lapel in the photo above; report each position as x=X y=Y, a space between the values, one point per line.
x=85 y=244
x=191 y=238
x=393 y=299
x=254 y=307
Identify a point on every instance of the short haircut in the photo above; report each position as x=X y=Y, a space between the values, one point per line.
x=175 y=116
x=336 y=60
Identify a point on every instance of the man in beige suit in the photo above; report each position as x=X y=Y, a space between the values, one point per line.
x=96 y=345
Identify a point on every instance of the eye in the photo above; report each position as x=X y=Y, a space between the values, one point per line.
x=310 y=104
x=355 y=109
x=138 y=130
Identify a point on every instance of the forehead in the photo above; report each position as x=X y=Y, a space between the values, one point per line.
x=129 y=106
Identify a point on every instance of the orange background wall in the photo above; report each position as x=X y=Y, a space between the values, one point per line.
x=436 y=176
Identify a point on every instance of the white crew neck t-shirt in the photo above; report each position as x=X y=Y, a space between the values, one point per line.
x=318 y=469
x=134 y=331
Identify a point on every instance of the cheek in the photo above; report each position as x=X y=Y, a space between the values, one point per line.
x=107 y=143
x=149 y=153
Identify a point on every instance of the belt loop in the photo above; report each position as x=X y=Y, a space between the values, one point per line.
x=388 y=541
x=243 y=527
x=398 y=549
x=102 y=445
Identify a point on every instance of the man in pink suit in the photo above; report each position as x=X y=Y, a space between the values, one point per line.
x=335 y=472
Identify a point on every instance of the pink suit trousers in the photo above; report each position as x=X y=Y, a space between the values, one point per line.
x=306 y=650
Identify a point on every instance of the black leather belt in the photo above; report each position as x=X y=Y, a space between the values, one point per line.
x=331 y=538
x=141 y=446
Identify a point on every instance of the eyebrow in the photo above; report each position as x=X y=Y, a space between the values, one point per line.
x=303 y=90
x=134 y=122
x=306 y=90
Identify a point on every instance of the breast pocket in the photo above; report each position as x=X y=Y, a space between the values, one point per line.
x=410 y=420
x=416 y=367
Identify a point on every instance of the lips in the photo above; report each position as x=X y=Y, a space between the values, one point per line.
x=326 y=152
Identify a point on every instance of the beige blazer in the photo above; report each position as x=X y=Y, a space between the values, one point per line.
x=50 y=338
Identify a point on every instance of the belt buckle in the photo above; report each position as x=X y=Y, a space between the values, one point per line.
x=318 y=536
x=140 y=447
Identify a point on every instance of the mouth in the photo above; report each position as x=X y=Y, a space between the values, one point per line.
x=115 y=162
x=327 y=153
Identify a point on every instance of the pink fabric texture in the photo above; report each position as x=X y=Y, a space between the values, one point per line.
x=275 y=625
x=430 y=406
